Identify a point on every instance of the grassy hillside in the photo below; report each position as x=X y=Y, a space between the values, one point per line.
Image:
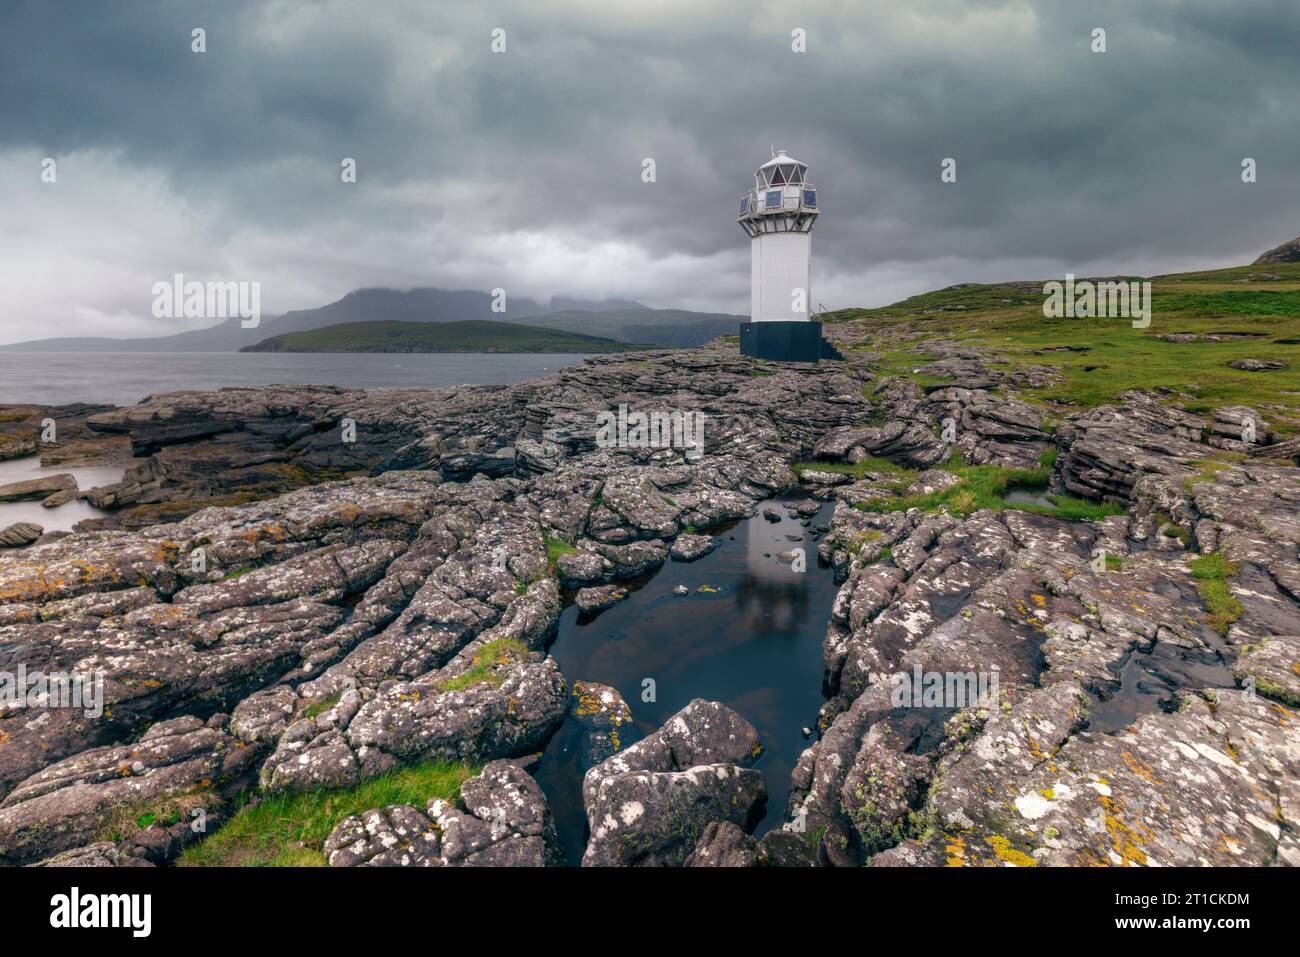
x=1246 y=312
x=475 y=335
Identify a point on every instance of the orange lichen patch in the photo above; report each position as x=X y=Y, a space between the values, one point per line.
x=1228 y=844
x=1007 y=854
x=4 y=738
x=1087 y=857
x=141 y=683
x=1125 y=840
x=956 y=852
x=166 y=553
x=1039 y=600
x=589 y=702
x=1143 y=771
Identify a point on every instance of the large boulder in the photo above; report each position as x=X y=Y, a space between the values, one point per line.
x=650 y=804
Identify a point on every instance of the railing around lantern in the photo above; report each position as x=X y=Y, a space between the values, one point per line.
x=780 y=199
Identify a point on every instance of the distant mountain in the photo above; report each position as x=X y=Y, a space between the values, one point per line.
x=359 y=306
x=472 y=335
x=620 y=319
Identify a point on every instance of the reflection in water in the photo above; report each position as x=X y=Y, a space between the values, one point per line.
x=754 y=644
x=778 y=606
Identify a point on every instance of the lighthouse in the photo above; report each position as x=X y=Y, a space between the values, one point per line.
x=778 y=216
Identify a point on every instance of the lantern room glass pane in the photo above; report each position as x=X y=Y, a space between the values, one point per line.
x=778 y=176
x=810 y=197
x=744 y=204
x=774 y=199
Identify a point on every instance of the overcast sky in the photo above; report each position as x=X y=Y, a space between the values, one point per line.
x=523 y=169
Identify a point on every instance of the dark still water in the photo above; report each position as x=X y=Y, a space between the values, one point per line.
x=755 y=645
x=124 y=378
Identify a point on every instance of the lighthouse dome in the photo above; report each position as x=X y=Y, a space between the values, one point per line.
x=782 y=199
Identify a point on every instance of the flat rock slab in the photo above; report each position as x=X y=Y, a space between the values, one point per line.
x=687 y=547
x=818 y=477
x=600 y=598
x=1274 y=666
x=41 y=487
x=1257 y=365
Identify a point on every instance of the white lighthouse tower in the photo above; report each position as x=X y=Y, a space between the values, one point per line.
x=778 y=215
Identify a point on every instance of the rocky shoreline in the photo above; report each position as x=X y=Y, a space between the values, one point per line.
x=275 y=610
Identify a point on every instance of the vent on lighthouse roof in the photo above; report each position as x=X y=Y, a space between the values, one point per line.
x=781 y=170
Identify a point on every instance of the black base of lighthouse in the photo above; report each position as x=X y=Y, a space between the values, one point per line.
x=781 y=341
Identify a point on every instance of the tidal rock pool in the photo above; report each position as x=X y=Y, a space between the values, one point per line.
x=748 y=634
x=62 y=517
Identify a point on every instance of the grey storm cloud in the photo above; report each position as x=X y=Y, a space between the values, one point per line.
x=523 y=169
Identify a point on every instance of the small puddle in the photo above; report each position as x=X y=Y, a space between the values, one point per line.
x=62 y=518
x=755 y=645
x=1149 y=680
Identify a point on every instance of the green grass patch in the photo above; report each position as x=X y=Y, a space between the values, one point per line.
x=484 y=665
x=986 y=487
x=1209 y=469
x=1212 y=572
x=289 y=830
x=556 y=547
x=127 y=820
x=320 y=707
x=1181 y=532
